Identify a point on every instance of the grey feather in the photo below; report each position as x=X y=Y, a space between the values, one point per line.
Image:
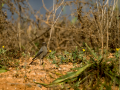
x=42 y=52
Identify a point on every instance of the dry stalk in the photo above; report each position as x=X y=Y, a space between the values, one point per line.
x=101 y=18
x=107 y=25
x=111 y=18
x=52 y=27
x=54 y=22
x=19 y=33
x=30 y=6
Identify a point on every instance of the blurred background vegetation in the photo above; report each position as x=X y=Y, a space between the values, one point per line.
x=98 y=26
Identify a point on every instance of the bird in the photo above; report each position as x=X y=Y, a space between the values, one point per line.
x=42 y=53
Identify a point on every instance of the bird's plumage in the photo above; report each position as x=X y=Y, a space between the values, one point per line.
x=42 y=52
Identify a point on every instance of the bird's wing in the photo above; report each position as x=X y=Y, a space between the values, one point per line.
x=40 y=51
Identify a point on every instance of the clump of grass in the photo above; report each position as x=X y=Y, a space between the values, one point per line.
x=7 y=58
x=3 y=67
x=52 y=54
x=3 y=60
x=76 y=56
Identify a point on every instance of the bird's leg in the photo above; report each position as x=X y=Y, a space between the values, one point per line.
x=40 y=61
x=31 y=62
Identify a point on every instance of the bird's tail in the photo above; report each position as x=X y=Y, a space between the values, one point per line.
x=36 y=56
x=32 y=60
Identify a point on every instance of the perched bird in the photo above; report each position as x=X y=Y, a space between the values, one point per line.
x=42 y=53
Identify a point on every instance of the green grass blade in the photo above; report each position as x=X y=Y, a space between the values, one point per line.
x=113 y=77
x=91 y=51
x=48 y=85
x=71 y=80
x=71 y=75
x=3 y=70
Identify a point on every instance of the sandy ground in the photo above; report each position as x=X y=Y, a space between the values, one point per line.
x=23 y=79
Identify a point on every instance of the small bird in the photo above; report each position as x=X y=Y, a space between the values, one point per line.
x=42 y=53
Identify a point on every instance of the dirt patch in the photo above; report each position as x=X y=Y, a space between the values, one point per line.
x=21 y=78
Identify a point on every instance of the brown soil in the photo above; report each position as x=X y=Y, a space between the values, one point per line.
x=23 y=79
x=15 y=79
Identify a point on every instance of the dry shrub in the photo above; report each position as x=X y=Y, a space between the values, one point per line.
x=65 y=35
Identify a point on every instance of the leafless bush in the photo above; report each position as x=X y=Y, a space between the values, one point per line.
x=97 y=27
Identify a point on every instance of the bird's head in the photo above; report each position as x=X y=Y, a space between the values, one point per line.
x=44 y=44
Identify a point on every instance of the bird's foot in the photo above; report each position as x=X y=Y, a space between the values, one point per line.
x=42 y=63
x=30 y=63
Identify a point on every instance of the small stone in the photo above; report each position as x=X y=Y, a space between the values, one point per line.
x=38 y=85
x=34 y=80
